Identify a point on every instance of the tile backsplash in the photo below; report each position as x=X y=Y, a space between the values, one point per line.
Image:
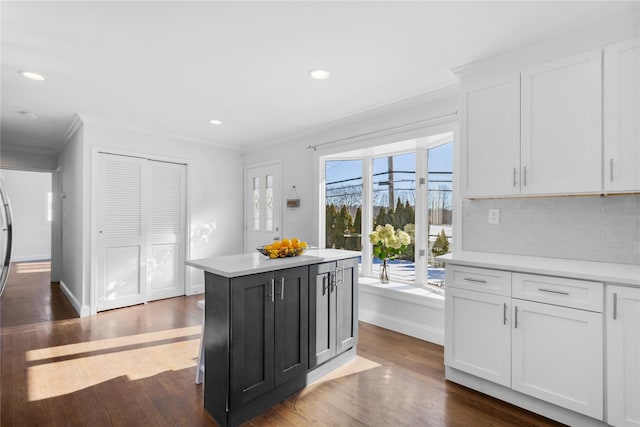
x=605 y=229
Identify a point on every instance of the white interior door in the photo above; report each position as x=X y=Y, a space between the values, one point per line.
x=122 y=240
x=141 y=230
x=262 y=194
x=165 y=268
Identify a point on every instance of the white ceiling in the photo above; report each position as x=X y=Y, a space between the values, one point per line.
x=169 y=67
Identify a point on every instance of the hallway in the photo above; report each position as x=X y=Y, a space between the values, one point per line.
x=133 y=366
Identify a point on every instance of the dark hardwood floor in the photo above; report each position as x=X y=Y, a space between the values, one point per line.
x=136 y=367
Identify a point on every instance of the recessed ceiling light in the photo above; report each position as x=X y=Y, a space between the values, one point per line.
x=28 y=115
x=319 y=74
x=32 y=76
x=215 y=122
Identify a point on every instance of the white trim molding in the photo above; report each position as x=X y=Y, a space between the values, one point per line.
x=82 y=310
x=411 y=310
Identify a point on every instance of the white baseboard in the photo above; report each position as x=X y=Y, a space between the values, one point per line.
x=521 y=400
x=30 y=258
x=404 y=326
x=82 y=310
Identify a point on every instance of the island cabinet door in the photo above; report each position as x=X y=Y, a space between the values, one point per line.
x=346 y=288
x=322 y=313
x=291 y=323
x=252 y=337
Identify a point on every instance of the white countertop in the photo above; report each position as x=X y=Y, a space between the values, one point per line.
x=252 y=263
x=628 y=274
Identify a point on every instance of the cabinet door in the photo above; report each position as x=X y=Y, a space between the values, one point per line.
x=561 y=126
x=478 y=334
x=621 y=116
x=252 y=340
x=557 y=356
x=322 y=313
x=623 y=356
x=291 y=323
x=490 y=149
x=346 y=288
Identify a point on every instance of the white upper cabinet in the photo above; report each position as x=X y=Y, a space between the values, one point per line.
x=561 y=129
x=491 y=134
x=564 y=127
x=622 y=116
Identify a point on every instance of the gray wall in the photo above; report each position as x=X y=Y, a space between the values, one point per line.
x=605 y=229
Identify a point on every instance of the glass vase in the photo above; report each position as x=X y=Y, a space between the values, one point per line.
x=384 y=272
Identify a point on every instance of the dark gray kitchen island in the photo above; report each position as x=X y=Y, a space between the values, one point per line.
x=272 y=326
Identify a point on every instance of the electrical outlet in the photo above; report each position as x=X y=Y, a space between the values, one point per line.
x=494 y=216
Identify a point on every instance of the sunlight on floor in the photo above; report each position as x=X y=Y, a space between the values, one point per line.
x=32 y=267
x=358 y=364
x=66 y=369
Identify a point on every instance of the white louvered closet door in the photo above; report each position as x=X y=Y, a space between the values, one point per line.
x=122 y=242
x=165 y=269
x=141 y=237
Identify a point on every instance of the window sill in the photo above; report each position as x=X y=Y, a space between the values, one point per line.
x=422 y=295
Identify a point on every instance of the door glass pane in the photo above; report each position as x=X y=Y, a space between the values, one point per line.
x=256 y=203
x=268 y=206
x=440 y=208
x=343 y=204
x=394 y=198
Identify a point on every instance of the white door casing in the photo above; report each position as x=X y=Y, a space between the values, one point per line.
x=262 y=207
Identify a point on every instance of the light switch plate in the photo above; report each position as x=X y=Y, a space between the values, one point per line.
x=494 y=216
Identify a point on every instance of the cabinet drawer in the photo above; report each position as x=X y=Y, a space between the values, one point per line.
x=496 y=282
x=581 y=294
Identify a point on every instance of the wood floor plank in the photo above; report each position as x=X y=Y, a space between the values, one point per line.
x=136 y=367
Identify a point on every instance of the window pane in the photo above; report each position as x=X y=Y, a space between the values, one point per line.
x=256 y=203
x=268 y=207
x=394 y=198
x=440 y=208
x=343 y=199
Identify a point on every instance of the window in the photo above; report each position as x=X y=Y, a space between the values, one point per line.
x=343 y=204
x=406 y=184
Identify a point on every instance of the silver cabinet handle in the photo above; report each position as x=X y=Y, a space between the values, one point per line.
x=282 y=289
x=615 y=306
x=525 y=176
x=552 y=291
x=471 y=279
x=273 y=289
x=332 y=281
x=611 y=169
x=504 y=314
x=515 y=320
x=324 y=284
x=514 y=177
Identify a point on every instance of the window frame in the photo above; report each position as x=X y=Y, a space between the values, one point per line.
x=420 y=146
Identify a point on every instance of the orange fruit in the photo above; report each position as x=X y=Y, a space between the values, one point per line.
x=286 y=243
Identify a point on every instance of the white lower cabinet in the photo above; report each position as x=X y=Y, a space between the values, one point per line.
x=539 y=335
x=557 y=356
x=478 y=340
x=623 y=356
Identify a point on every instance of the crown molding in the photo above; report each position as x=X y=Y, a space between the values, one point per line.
x=27 y=149
x=609 y=30
x=409 y=104
x=71 y=130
